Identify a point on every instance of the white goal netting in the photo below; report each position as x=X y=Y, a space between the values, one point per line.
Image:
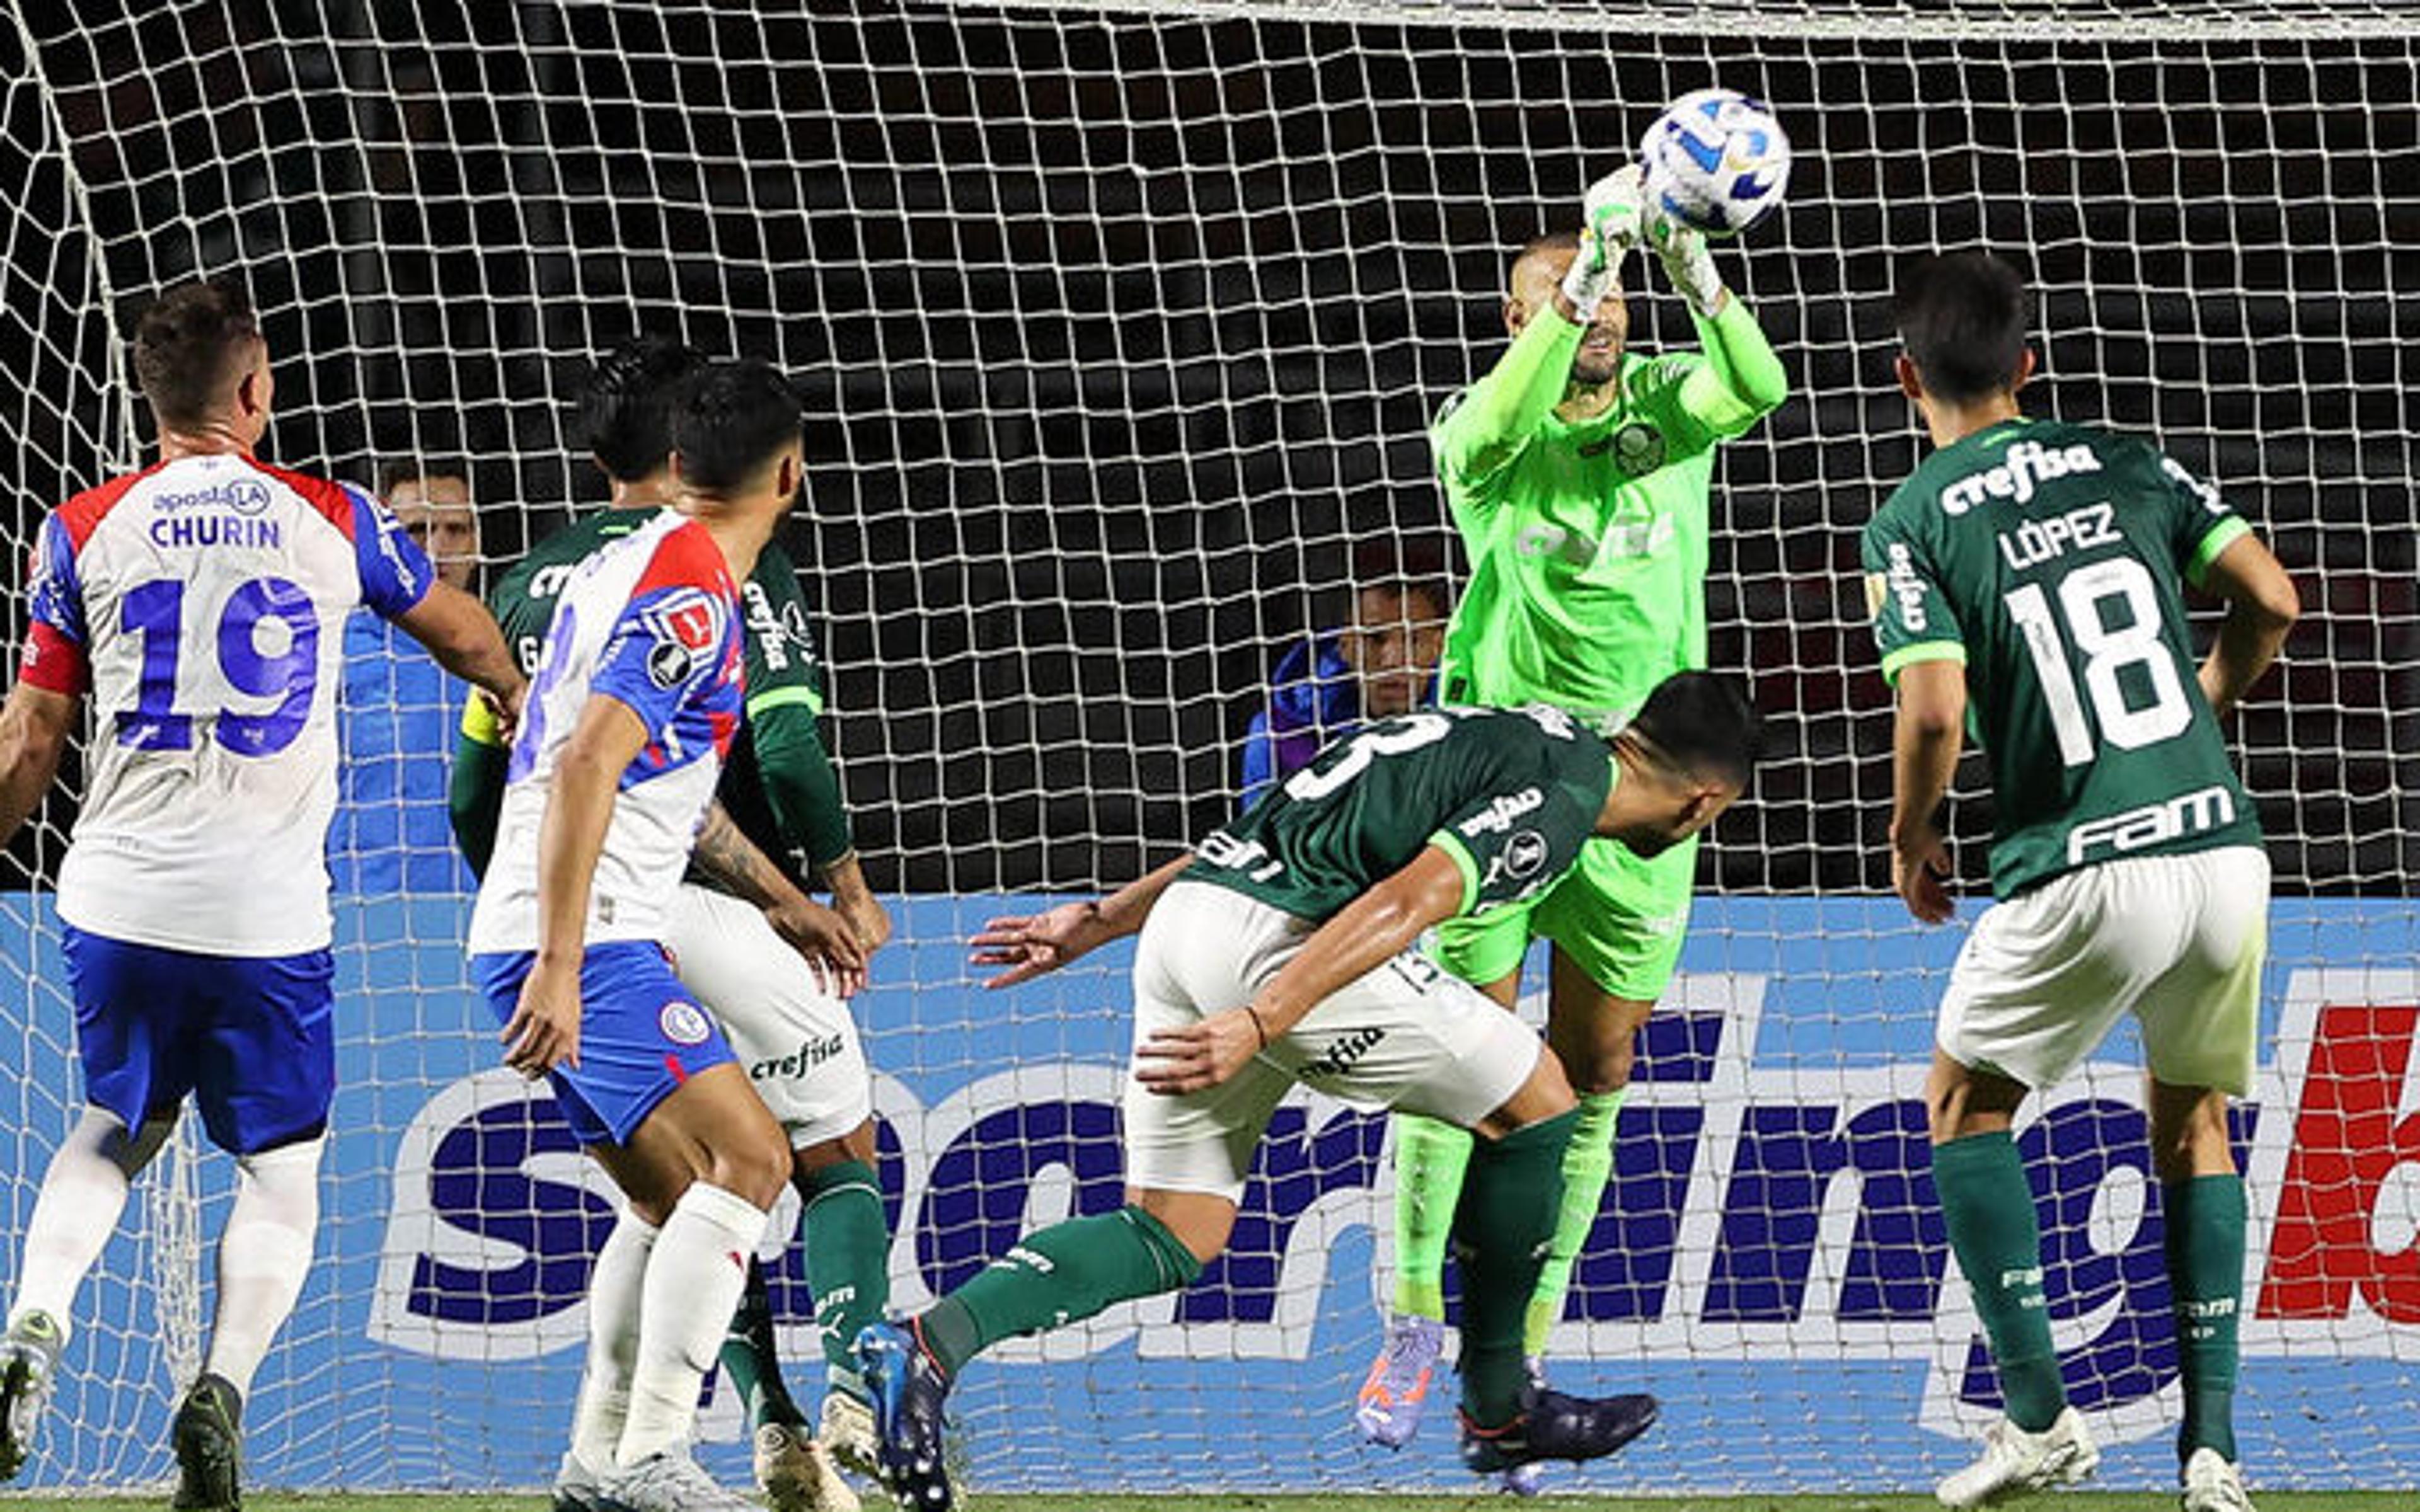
x=1122 y=326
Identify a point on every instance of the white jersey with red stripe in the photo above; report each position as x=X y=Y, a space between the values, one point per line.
x=201 y=603
x=651 y=621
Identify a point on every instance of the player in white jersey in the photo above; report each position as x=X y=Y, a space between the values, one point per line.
x=199 y=605
x=636 y=698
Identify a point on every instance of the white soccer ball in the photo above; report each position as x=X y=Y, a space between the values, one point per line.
x=1715 y=160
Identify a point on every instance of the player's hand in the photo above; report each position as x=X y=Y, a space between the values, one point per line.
x=1611 y=214
x=1201 y=1055
x=1920 y=871
x=1034 y=944
x=543 y=1030
x=1688 y=262
x=505 y=710
x=867 y=919
x=827 y=940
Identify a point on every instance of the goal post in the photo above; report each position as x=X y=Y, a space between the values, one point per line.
x=1121 y=328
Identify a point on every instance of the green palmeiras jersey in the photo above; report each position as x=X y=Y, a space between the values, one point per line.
x=2049 y=559
x=1589 y=539
x=777 y=783
x=1512 y=794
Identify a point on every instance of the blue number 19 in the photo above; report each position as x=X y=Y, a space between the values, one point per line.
x=155 y=611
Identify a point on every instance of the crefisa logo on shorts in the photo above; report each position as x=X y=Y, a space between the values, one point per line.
x=684 y=1022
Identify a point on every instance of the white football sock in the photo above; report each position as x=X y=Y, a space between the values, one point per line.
x=263 y=1256
x=84 y=1194
x=614 y=1288
x=695 y=1280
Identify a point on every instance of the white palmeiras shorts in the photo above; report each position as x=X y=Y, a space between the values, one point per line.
x=2177 y=941
x=1405 y=1036
x=796 y=1039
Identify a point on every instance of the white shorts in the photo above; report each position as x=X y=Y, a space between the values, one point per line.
x=794 y=1040
x=1405 y=1036
x=2176 y=940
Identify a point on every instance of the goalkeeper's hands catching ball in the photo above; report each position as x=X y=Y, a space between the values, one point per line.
x=1610 y=217
x=1687 y=263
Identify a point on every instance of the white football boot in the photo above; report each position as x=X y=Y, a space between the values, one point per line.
x=2015 y=1462
x=848 y=1435
x=672 y=1482
x=2213 y=1485
x=796 y=1474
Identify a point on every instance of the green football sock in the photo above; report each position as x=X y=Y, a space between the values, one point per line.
x=2204 y=1251
x=750 y=1360
x=848 y=1262
x=1990 y=1209
x=1063 y=1274
x=1501 y=1233
x=1430 y=1160
x=1587 y=1165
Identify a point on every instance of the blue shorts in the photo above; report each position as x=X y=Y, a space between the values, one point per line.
x=642 y=1034
x=254 y=1038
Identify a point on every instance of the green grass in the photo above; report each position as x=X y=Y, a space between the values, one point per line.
x=2067 y=1501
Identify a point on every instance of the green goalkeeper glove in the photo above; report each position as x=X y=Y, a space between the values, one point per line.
x=1687 y=263
x=1609 y=219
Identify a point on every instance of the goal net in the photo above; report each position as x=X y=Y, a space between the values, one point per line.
x=1121 y=327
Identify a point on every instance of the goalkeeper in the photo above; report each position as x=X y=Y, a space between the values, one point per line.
x=1578 y=472
x=794 y=1036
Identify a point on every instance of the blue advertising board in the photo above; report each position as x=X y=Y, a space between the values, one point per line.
x=1770 y=1259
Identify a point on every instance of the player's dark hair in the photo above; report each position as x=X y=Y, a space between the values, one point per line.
x=626 y=407
x=188 y=343
x=1701 y=725
x=1962 y=319
x=395 y=471
x=1437 y=591
x=733 y=418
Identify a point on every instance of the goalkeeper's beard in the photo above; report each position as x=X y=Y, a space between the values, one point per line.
x=1590 y=370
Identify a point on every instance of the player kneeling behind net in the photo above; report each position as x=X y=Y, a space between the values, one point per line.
x=1281 y=951
x=636 y=701
x=2037 y=566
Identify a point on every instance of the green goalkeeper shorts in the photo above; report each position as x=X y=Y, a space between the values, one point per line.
x=1621 y=920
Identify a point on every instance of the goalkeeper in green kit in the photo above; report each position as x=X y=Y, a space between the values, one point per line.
x=1577 y=473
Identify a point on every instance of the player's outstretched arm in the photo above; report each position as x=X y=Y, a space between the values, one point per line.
x=34 y=727
x=1032 y=944
x=1928 y=732
x=1742 y=379
x=1371 y=931
x=2261 y=607
x=460 y=633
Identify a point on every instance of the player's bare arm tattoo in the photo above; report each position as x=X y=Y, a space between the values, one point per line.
x=731 y=858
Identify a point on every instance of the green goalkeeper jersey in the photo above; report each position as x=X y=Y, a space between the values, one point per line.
x=2048 y=558
x=778 y=782
x=1512 y=794
x=1587 y=540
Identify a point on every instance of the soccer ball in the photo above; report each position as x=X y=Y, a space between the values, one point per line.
x=1715 y=160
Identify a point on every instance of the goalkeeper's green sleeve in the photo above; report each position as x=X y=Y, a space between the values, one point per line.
x=1499 y=413
x=1742 y=379
x=800 y=786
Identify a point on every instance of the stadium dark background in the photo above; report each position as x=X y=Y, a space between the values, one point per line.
x=1121 y=335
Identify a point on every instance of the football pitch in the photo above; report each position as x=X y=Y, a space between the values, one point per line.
x=1332 y=1502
